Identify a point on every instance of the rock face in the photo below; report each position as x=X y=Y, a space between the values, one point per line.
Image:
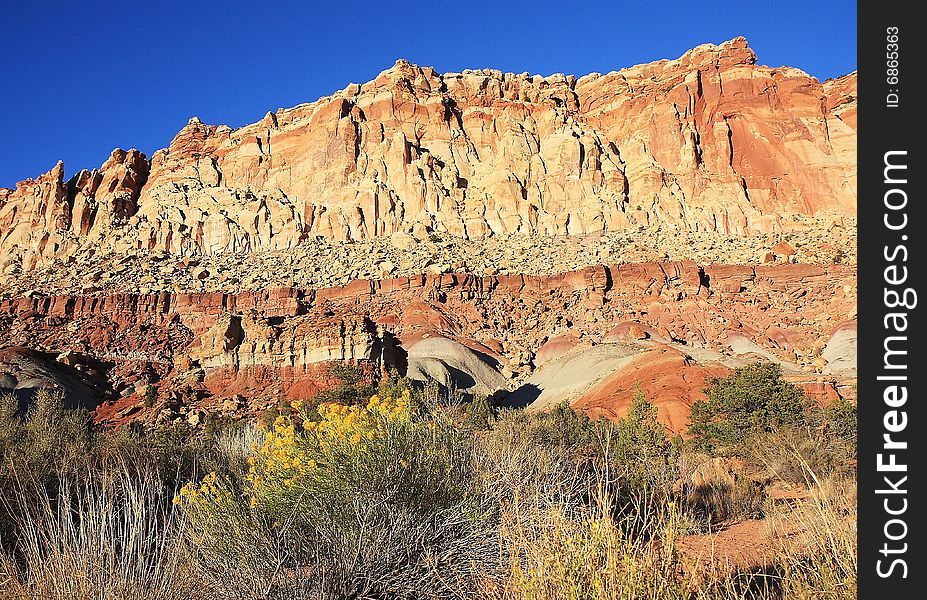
x=709 y=141
x=590 y=337
x=535 y=239
x=47 y=216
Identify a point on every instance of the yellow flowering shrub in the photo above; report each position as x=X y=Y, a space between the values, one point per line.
x=279 y=458
x=210 y=492
x=316 y=481
x=292 y=452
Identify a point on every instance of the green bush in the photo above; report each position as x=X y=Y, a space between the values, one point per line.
x=564 y=457
x=46 y=437
x=524 y=460
x=640 y=452
x=150 y=396
x=353 y=387
x=837 y=420
x=751 y=400
x=562 y=427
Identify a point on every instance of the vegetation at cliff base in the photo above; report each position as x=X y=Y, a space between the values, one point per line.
x=408 y=494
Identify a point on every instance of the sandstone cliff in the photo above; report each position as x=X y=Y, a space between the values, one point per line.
x=536 y=239
x=711 y=141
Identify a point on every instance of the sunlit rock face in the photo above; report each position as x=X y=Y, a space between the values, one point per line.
x=535 y=239
x=709 y=141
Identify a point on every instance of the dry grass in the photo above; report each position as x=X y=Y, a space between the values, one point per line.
x=816 y=549
x=105 y=534
x=562 y=553
x=549 y=508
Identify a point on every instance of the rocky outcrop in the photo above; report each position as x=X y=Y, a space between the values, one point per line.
x=47 y=216
x=80 y=379
x=34 y=215
x=711 y=141
x=839 y=353
x=454 y=366
x=485 y=335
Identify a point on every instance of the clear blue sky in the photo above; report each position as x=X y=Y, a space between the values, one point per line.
x=81 y=78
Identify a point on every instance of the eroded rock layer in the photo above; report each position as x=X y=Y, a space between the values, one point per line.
x=255 y=348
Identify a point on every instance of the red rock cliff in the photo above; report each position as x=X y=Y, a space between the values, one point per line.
x=709 y=141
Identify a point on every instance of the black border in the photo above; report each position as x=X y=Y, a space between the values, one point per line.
x=882 y=129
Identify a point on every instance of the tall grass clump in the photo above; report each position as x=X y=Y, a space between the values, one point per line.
x=83 y=513
x=98 y=534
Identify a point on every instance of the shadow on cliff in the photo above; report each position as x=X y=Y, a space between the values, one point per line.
x=23 y=372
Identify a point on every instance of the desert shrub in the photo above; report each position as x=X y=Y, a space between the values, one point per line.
x=480 y=413
x=401 y=496
x=718 y=502
x=567 y=427
x=560 y=552
x=353 y=387
x=579 y=511
x=9 y=418
x=43 y=441
x=719 y=491
x=521 y=462
x=234 y=446
x=394 y=386
x=564 y=458
x=150 y=396
x=640 y=454
x=794 y=453
x=535 y=458
x=350 y=447
x=357 y=500
x=52 y=456
x=837 y=420
x=823 y=445
x=561 y=426
x=557 y=554
x=751 y=400
x=174 y=452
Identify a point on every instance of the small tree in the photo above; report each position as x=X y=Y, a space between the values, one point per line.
x=640 y=448
x=353 y=386
x=751 y=400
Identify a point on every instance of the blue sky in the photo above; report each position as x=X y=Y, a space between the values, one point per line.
x=81 y=78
